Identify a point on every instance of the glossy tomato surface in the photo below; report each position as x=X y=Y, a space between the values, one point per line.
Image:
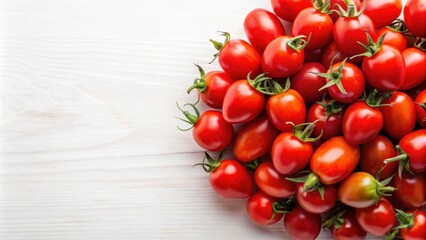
x=415 y=17
x=373 y=154
x=271 y=182
x=410 y=189
x=378 y=219
x=307 y=77
x=288 y=9
x=301 y=224
x=383 y=12
x=260 y=209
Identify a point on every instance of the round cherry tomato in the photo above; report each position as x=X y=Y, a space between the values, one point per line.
x=418 y=230
x=361 y=190
x=383 y=12
x=312 y=201
x=374 y=153
x=334 y=160
x=345 y=82
x=399 y=119
x=237 y=57
x=331 y=116
x=212 y=87
x=271 y=182
x=301 y=224
x=377 y=219
x=393 y=38
x=415 y=17
x=331 y=52
x=288 y=9
x=318 y=25
x=283 y=57
x=306 y=77
x=260 y=209
x=385 y=70
x=410 y=189
x=349 y=229
x=334 y=3
x=361 y=123
x=348 y=31
x=421 y=109
x=284 y=107
x=242 y=103
x=254 y=139
x=261 y=27
x=414 y=59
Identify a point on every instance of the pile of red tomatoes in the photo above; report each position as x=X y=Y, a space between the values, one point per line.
x=326 y=123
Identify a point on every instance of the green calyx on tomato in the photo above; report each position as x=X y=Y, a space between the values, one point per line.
x=284 y=206
x=372 y=48
x=403 y=159
x=322 y=6
x=190 y=118
x=311 y=182
x=420 y=43
x=335 y=220
x=298 y=43
x=373 y=100
x=252 y=165
x=199 y=83
x=304 y=131
x=211 y=163
x=266 y=85
x=398 y=26
x=350 y=11
x=335 y=77
x=219 y=45
x=406 y=220
x=330 y=107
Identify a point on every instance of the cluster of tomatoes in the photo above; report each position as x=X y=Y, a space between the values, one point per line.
x=326 y=123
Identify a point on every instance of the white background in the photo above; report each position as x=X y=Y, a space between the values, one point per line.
x=89 y=145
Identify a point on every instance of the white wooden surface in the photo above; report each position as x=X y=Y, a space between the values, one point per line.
x=89 y=147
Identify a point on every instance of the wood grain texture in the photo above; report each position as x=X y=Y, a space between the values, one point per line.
x=88 y=145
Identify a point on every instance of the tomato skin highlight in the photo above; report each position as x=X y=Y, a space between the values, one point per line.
x=414 y=145
x=231 y=180
x=306 y=77
x=312 y=202
x=414 y=59
x=242 y=103
x=254 y=139
x=378 y=219
x=212 y=132
x=260 y=209
x=334 y=160
x=393 y=38
x=358 y=190
x=418 y=230
x=410 y=190
x=361 y=123
x=289 y=9
x=415 y=17
x=217 y=83
x=350 y=229
x=271 y=182
x=374 y=152
x=420 y=111
x=301 y=224
x=261 y=27
x=383 y=12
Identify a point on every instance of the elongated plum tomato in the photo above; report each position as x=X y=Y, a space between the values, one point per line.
x=383 y=12
x=312 y=201
x=261 y=27
x=410 y=189
x=399 y=115
x=212 y=87
x=254 y=139
x=330 y=114
x=261 y=210
x=421 y=109
x=416 y=231
x=415 y=17
x=377 y=219
x=289 y=9
x=414 y=59
x=307 y=77
x=334 y=160
x=284 y=56
x=374 y=153
x=317 y=24
x=271 y=182
x=361 y=190
x=301 y=224
x=237 y=57
x=348 y=228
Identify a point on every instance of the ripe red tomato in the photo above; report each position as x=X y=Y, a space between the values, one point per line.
x=393 y=38
x=288 y=9
x=331 y=52
x=415 y=17
x=385 y=70
x=261 y=27
x=334 y=160
x=306 y=77
x=421 y=109
x=334 y=3
x=410 y=189
x=361 y=190
x=312 y=201
x=377 y=219
x=254 y=139
x=345 y=82
x=212 y=87
x=331 y=116
x=418 y=230
x=383 y=12
x=271 y=182
x=284 y=107
x=242 y=103
x=318 y=25
x=348 y=228
x=374 y=153
x=283 y=57
x=260 y=209
x=399 y=119
x=361 y=123
x=348 y=31
x=237 y=57
x=301 y=224
x=414 y=59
